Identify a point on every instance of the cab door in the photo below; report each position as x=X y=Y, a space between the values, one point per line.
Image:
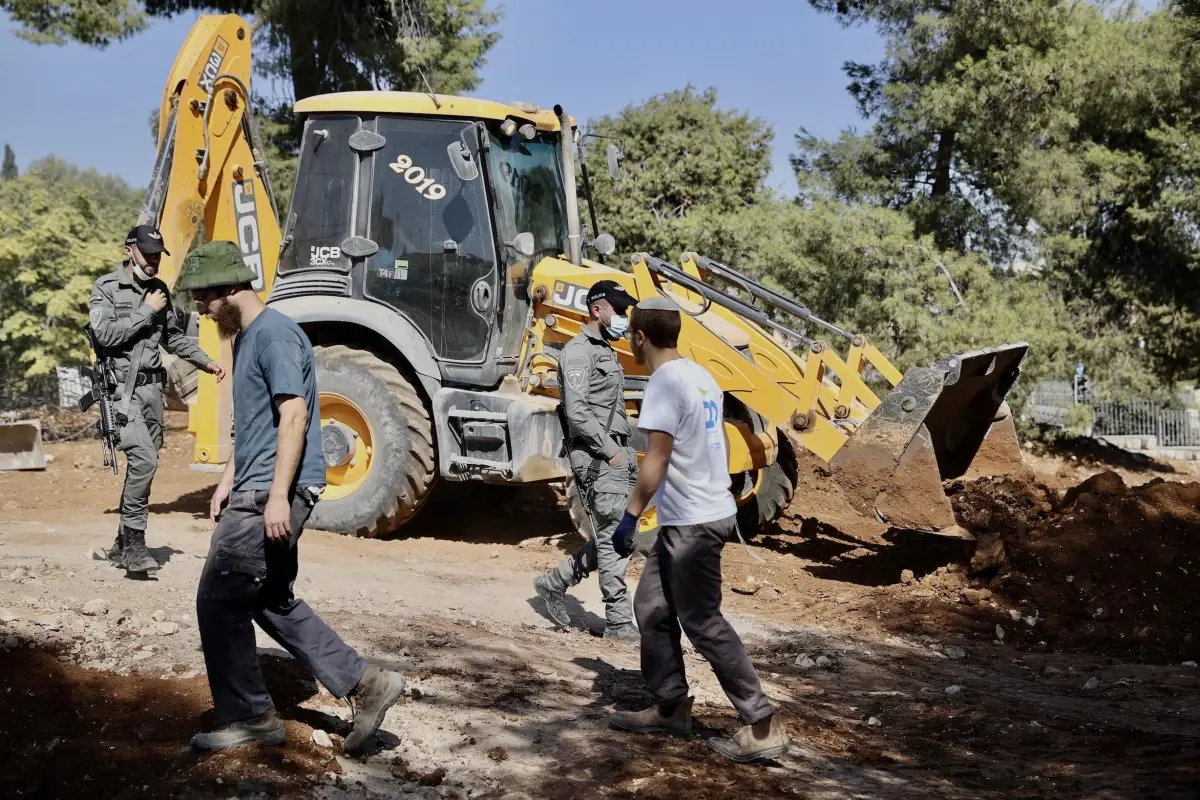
x=436 y=261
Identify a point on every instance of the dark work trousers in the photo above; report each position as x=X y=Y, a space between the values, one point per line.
x=681 y=586
x=247 y=579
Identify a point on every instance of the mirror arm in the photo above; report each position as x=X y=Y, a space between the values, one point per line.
x=587 y=193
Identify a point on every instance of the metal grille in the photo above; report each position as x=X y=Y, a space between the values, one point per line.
x=1171 y=427
x=301 y=284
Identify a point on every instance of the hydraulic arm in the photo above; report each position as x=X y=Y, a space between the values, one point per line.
x=891 y=453
x=210 y=180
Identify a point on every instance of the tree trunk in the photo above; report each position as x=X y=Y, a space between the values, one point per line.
x=306 y=73
x=941 y=167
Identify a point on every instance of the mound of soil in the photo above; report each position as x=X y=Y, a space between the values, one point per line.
x=1103 y=566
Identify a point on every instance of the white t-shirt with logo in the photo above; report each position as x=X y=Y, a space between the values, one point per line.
x=682 y=399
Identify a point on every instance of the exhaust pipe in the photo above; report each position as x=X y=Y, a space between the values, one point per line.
x=574 y=230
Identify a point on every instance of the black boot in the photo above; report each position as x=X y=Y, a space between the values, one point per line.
x=114 y=552
x=134 y=556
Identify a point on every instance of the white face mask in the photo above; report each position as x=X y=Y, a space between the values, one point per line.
x=617 y=326
x=137 y=271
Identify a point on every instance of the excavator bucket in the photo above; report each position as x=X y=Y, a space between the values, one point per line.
x=21 y=445
x=937 y=424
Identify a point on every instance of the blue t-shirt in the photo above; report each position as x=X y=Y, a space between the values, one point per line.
x=272 y=357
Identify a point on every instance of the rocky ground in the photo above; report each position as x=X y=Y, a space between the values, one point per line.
x=905 y=668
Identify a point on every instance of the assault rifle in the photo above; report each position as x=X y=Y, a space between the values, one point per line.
x=104 y=382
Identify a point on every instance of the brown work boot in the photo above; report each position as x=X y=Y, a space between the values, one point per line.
x=376 y=692
x=653 y=720
x=764 y=740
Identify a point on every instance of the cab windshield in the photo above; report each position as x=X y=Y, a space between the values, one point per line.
x=528 y=183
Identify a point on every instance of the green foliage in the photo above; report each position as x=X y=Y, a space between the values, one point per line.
x=865 y=269
x=320 y=46
x=694 y=180
x=687 y=164
x=92 y=22
x=60 y=229
x=1079 y=420
x=9 y=170
x=1058 y=133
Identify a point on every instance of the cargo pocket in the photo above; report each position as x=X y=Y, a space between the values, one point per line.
x=240 y=537
x=233 y=559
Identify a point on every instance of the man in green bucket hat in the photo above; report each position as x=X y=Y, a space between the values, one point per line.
x=260 y=506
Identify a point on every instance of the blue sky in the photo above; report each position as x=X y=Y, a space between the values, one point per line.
x=782 y=63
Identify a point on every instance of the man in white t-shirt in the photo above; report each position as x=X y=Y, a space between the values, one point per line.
x=685 y=472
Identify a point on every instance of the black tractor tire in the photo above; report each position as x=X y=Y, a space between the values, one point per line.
x=403 y=470
x=773 y=496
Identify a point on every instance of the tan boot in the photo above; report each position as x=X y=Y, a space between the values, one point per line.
x=651 y=720
x=761 y=741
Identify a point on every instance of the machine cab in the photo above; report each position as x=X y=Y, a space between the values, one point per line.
x=415 y=203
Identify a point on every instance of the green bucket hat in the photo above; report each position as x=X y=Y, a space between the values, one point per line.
x=213 y=264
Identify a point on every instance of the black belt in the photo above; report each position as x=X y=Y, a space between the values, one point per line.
x=584 y=444
x=146 y=376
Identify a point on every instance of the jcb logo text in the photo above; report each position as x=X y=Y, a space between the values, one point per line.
x=247 y=229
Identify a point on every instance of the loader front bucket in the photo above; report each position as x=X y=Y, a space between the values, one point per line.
x=21 y=445
x=935 y=425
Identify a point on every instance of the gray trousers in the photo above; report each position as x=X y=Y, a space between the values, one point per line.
x=598 y=553
x=681 y=586
x=247 y=579
x=141 y=439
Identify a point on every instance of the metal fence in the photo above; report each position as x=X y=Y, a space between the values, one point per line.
x=61 y=388
x=1170 y=427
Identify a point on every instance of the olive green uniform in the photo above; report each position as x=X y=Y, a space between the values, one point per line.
x=127 y=328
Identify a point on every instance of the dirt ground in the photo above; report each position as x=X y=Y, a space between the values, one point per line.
x=904 y=666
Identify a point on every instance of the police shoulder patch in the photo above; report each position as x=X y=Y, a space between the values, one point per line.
x=95 y=314
x=576 y=379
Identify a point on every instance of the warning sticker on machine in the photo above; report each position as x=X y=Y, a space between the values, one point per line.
x=398 y=273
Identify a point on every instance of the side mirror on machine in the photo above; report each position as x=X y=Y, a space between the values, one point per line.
x=604 y=244
x=462 y=162
x=523 y=244
x=614 y=162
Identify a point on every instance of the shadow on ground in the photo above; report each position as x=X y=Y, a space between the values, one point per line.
x=1091 y=451
x=486 y=514
x=839 y=557
x=1006 y=734
x=71 y=732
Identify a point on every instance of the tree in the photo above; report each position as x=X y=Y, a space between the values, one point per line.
x=687 y=164
x=1060 y=134
x=9 y=170
x=92 y=22
x=964 y=86
x=60 y=229
x=318 y=46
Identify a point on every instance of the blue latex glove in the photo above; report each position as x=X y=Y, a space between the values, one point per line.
x=624 y=537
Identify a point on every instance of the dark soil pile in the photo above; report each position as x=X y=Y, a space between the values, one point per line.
x=1104 y=566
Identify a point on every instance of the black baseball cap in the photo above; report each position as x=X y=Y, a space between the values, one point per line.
x=611 y=291
x=148 y=240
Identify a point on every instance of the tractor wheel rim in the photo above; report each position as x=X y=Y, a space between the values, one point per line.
x=345 y=478
x=754 y=485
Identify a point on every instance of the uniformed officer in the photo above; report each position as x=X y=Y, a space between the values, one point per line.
x=132 y=317
x=604 y=463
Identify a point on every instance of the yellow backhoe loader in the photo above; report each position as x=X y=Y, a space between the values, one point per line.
x=433 y=252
